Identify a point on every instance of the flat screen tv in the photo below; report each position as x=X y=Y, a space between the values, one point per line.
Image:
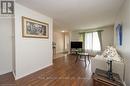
x=76 y=44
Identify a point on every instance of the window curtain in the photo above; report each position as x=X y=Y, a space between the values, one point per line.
x=83 y=41
x=88 y=41
x=92 y=42
x=100 y=38
x=96 y=43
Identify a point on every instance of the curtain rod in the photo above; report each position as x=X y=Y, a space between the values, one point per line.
x=91 y=31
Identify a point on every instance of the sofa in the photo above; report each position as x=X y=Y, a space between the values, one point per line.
x=99 y=61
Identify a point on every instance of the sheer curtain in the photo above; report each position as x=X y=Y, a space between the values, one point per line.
x=88 y=41
x=92 y=42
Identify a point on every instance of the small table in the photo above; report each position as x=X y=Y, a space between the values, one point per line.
x=100 y=78
x=85 y=55
x=74 y=51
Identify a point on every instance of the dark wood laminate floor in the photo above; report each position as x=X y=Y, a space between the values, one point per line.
x=7 y=80
x=64 y=72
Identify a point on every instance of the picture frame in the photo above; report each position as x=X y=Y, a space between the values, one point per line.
x=119 y=34
x=32 y=28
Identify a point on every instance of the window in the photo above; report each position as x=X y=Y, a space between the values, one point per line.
x=92 y=41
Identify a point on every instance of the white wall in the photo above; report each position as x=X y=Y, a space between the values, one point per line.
x=58 y=38
x=31 y=54
x=13 y=47
x=74 y=36
x=67 y=41
x=107 y=36
x=5 y=45
x=124 y=19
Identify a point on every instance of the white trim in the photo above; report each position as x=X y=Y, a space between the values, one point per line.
x=24 y=75
x=13 y=74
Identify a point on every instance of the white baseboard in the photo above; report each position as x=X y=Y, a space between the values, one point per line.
x=4 y=72
x=25 y=74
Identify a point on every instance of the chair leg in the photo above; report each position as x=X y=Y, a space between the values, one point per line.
x=76 y=58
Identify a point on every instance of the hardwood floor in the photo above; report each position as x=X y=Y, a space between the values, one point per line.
x=64 y=72
x=7 y=80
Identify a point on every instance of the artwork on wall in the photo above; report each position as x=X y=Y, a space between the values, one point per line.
x=119 y=34
x=34 y=29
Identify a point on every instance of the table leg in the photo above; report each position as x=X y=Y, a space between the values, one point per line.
x=85 y=60
x=89 y=59
x=76 y=58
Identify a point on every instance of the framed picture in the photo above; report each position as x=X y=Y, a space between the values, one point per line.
x=34 y=29
x=119 y=34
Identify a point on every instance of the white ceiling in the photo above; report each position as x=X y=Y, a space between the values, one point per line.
x=77 y=14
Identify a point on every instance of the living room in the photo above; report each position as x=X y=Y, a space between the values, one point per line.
x=35 y=31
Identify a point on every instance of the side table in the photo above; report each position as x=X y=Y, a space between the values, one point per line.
x=100 y=79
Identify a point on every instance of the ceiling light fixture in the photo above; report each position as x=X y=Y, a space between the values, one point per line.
x=63 y=31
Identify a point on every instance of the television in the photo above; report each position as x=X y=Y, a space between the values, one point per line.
x=76 y=44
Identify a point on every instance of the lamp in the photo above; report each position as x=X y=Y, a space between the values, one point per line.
x=109 y=72
x=110 y=53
